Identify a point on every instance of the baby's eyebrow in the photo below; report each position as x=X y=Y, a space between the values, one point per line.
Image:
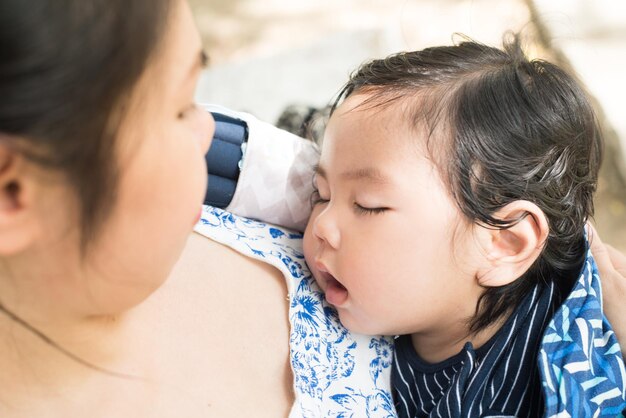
x=367 y=173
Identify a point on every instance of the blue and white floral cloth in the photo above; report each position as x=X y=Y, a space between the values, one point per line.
x=336 y=373
x=341 y=374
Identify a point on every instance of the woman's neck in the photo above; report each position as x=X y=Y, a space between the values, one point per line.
x=61 y=348
x=47 y=339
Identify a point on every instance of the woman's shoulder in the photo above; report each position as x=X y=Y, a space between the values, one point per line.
x=222 y=321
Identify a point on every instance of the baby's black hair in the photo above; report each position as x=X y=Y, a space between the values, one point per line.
x=506 y=128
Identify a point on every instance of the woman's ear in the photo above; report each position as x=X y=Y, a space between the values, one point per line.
x=510 y=252
x=17 y=229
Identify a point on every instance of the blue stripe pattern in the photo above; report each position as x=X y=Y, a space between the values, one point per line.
x=498 y=379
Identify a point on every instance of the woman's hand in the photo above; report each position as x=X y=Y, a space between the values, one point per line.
x=612 y=268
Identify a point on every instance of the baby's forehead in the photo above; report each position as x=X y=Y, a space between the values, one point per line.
x=380 y=147
x=421 y=111
x=401 y=124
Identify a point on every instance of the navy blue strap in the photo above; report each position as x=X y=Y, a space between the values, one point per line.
x=223 y=159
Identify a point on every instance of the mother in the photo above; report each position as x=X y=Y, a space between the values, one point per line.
x=102 y=177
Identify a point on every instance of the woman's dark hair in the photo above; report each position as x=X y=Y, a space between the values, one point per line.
x=506 y=129
x=67 y=68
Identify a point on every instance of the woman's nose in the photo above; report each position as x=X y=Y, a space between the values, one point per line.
x=326 y=228
x=204 y=128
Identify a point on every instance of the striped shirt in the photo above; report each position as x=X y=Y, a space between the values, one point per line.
x=498 y=379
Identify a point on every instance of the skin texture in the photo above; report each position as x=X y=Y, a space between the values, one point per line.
x=386 y=228
x=181 y=343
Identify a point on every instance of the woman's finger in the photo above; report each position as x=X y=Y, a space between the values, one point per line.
x=600 y=252
x=618 y=259
x=612 y=268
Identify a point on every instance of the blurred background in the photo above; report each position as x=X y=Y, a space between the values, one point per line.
x=266 y=55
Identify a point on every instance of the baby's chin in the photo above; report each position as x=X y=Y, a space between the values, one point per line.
x=356 y=326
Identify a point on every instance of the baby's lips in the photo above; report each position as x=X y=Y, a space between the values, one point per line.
x=336 y=293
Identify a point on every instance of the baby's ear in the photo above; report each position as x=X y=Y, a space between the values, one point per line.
x=510 y=252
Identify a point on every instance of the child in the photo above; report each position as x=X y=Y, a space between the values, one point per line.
x=453 y=188
x=452 y=192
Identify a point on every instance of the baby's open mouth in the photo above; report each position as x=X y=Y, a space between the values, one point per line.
x=336 y=293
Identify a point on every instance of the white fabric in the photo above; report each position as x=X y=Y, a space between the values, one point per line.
x=275 y=184
x=336 y=373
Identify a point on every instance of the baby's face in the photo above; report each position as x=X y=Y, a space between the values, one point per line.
x=385 y=242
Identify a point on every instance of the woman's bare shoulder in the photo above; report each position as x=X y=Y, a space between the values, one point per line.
x=230 y=313
x=212 y=341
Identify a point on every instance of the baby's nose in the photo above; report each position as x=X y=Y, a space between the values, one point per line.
x=325 y=227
